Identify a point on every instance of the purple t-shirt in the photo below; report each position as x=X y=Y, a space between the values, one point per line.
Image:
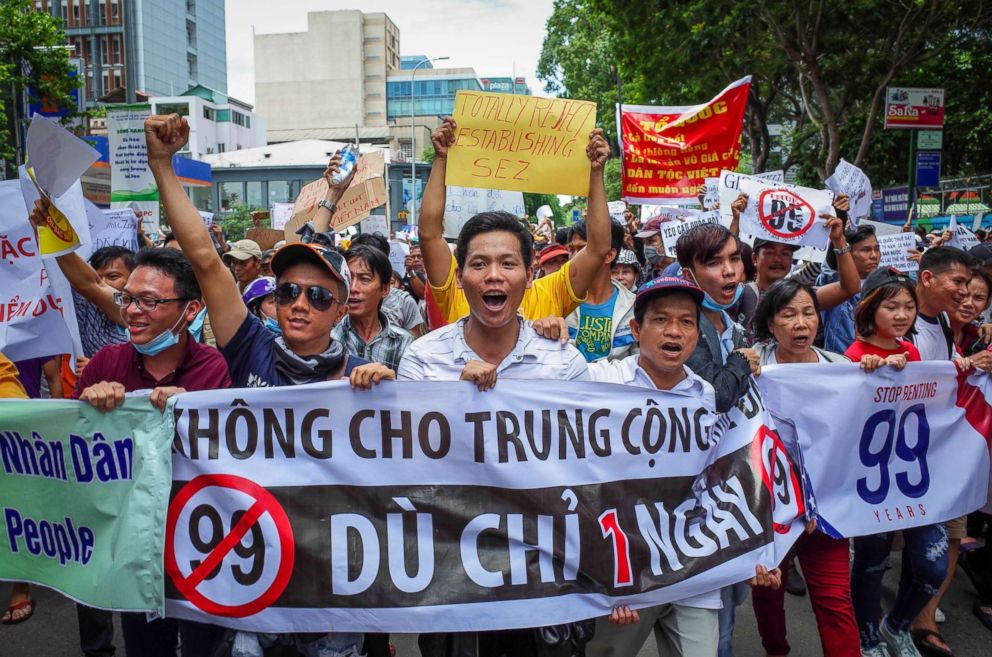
x=202 y=368
x=29 y=374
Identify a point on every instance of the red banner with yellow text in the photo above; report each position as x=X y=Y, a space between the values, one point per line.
x=668 y=152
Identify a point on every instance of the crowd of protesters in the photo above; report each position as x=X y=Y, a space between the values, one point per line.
x=598 y=301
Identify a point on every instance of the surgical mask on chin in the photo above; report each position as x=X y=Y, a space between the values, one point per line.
x=161 y=342
x=710 y=303
x=652 y=255
x=272 y=325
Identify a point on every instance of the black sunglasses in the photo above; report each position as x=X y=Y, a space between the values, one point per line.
x=319 y=297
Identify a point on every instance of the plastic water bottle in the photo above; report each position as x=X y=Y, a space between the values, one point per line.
x=349 y=159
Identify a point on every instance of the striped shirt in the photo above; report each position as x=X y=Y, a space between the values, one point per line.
x=387 y=347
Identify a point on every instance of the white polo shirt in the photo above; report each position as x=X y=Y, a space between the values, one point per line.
x=441 y=355
x=628 y=372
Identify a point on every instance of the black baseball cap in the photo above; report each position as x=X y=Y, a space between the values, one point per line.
x=759 y=242
x=666 y=285
x=883 y=276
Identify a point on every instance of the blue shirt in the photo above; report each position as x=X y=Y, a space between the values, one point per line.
x=594 y=336
x=251 y=359
x=838 y=322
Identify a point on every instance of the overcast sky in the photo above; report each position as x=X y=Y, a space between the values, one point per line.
x=491 y=36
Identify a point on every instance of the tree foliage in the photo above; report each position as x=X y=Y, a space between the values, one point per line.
x=33 y=60
x=819 y=71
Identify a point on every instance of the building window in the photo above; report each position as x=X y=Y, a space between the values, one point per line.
x=191 y=34
x=253 y=194
x=220 y=148
x=191 y=65
x=231 y=193
x=208 y=113
x=406 y=149
x=242 y=120
x=182 y=109
x=190 y=6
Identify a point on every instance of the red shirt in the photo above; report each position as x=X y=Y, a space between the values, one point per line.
x=861 y=348
x=202 y=368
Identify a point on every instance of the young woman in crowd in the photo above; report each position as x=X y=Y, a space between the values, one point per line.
x=883 y=318
x=786 y=321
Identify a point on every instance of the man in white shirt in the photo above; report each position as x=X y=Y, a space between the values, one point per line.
x=940 y=286
x=666 y=324
x=493 y=268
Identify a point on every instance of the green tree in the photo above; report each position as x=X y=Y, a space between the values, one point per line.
x=533 y=201
x=236 y=222
x=819 y=71
x=33 y=63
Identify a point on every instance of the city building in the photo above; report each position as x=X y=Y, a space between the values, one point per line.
x=217 y=122
x=516 y=86
x=433 y=99
x=141 y=48
x=328 y=82
x=260 y=177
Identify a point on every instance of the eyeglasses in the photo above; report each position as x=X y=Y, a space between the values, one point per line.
x=319 y=297
x=123 y=299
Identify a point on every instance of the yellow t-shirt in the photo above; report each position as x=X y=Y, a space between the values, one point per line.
x=549 y=296
x=10 y=386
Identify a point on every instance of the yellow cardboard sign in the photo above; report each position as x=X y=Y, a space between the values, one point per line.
x=521 y=143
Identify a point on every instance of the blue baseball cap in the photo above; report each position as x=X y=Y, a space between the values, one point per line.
x=666 y=285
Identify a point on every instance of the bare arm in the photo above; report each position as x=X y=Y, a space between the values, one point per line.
x=834 y=294
x=165 y=135
x=587 y=262
x=322 y=219
x=81 y=276
x=437 y=255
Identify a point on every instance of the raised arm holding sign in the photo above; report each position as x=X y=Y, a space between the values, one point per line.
x=438 y=260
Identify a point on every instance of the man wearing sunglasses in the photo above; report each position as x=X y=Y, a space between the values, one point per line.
x=312 y=287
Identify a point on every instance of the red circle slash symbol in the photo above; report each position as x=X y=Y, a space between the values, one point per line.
x=262 y=504
x=784 y=214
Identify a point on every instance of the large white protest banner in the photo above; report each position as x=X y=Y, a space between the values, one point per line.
x=896 y=249
x=671 y=230
x=849 y=179
x=37 y=317
x=912 y=448
x=729 y=188
x=434 y=507
x=785 y=213
x=463 y=203
x=398 y=251
x=131 y=182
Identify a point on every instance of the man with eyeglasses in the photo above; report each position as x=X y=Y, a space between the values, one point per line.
x=157 y=304
x=312 y=287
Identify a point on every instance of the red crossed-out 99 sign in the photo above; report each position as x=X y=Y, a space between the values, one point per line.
x=785 y=214
x=779 y=478
x=229 y=546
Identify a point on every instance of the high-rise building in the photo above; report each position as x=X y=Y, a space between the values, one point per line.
x=140 y=48
x=330 y=81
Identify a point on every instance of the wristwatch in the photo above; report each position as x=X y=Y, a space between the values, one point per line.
x=842 y=250
x=331 y=207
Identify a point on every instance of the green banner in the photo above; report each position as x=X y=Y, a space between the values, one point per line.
x=83 y=500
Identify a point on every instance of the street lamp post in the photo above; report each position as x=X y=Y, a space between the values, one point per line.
x=413 y=136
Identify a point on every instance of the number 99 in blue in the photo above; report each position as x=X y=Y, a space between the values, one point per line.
x=895 y=436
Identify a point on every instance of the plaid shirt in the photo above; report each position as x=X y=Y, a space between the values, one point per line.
x=387 y=347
